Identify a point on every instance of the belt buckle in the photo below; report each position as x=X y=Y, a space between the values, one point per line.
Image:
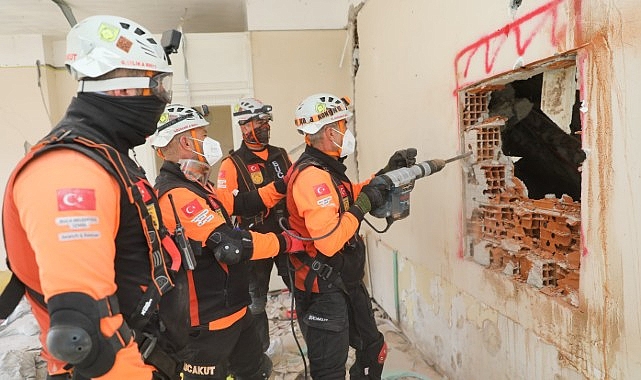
x=323 y=270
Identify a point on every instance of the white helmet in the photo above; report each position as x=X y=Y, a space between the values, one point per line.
x=248 y=109
x=176 y=119
x=100 y=44
x=319 y=110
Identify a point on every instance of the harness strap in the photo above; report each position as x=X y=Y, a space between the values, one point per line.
x=318 y=268
x=275 y=154
x=249 y=185
x=107 y=307
x=154 y=355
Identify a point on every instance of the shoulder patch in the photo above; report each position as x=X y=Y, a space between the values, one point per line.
x=321 y=189
x=191 y=208
x=76 y=199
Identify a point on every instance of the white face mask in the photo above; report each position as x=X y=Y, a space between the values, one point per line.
x=349 y=143
x=211 y=150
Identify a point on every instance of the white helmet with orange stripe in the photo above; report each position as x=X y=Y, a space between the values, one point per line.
x=176 y=119
x=319 y=110
x=100 y=44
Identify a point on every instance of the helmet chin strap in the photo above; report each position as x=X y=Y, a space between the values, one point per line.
x=255 y=144
x=199 y=153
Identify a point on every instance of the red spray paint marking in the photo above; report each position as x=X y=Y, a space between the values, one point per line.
x=461 y=230
x=546 y=13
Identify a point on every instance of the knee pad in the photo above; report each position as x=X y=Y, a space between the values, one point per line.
x=74 y=334
x=370 y=364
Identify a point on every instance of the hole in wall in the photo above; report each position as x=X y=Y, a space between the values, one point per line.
x=523 y=181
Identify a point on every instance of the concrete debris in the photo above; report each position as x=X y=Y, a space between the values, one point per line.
x=20 y=346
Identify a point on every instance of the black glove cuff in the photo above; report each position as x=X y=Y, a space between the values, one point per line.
x=357 y=212
x=282 y=243
x=280 y=186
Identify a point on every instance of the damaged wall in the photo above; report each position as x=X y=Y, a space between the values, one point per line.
x=471 y=320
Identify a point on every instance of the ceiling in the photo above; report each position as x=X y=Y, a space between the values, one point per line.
x=194 y=16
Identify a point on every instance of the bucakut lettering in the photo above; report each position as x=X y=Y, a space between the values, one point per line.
x=199 y=370
x=312 y=317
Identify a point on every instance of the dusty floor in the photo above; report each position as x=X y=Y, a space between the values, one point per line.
x=19 y=347
x=403 y=361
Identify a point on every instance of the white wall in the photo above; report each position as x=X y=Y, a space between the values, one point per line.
x=474 y=323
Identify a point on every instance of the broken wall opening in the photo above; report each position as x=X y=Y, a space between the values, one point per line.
x=523 y=179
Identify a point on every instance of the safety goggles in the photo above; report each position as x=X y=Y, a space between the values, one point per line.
x=262 y=119
x=158 y=85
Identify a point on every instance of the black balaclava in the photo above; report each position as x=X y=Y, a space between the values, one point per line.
x=135 y=117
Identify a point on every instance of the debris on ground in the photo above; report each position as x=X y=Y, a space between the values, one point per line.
x=20 y=346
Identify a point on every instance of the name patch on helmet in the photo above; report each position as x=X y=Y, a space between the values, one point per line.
x=76 y=199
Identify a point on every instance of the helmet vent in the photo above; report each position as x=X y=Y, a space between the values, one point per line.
x=139 y=31
x=125 y=25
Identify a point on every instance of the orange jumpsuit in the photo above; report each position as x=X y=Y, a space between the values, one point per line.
x=71 y=221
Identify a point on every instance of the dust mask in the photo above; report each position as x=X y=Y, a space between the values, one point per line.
x=349 y=143
x=211 y=150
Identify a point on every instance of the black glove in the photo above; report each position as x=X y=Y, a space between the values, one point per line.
x=371 y=197
x=280 y=185
x=230 y=246
x=403 y=158
x=436 y=165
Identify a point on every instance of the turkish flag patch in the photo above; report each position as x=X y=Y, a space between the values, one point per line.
x=253 y=168
x=146 y=196
x=76 y=199
x=321 y=189
x=191 y=208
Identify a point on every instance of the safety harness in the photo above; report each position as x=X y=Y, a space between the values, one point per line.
x=276 y=164
x=157 y=237
x=319 y=268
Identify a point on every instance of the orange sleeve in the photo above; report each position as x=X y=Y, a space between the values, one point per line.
x=318 y=204
x=269 y=195
x=358 y=186
x=196 y=216
x=227 y=184
x=71 y=220
x=265 y=245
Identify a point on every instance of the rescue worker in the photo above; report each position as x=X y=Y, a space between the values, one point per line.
x=325 y=208
x=81 y=222
x=221 y=326
x=252 y=166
